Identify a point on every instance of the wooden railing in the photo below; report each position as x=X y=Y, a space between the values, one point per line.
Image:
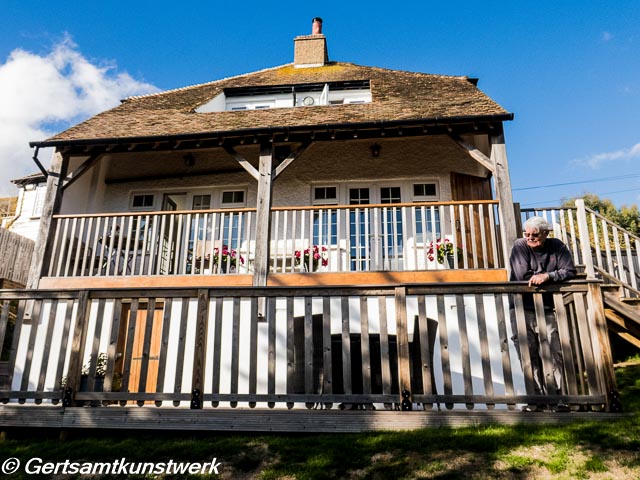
x=305 y=346
x=391 y=237
x=154 y=243
x=596 y=242
x=395 y=237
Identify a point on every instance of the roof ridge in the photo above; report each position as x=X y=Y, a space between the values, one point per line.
x=198 y=85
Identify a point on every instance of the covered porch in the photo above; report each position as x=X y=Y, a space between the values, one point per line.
x=205 y=245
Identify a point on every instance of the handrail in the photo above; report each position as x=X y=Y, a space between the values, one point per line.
x=463 y=288
x=621 y=229
x=616 y=280
x=280 y=208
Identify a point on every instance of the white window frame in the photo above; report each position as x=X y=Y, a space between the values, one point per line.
x=425 y=198
x=325 y=201
x=144 y=208
x=234 y=204
x=201 y=194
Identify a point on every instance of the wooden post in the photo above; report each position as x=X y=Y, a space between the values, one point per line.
x=601 y=346
x=263 y=216
x=404 y=365
x=502 y=184
x=585 y=241
x=53 y=199
x=78 y=343
x=200 y=349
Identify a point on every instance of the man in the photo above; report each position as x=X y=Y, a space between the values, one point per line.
x=540 y=260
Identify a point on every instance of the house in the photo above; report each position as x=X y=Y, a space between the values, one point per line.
x=317 y=233
x=25 y=218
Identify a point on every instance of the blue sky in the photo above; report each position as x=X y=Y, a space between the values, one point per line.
x=568 y=70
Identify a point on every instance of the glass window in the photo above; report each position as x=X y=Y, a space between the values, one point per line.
x=201 y=202
x=143 y=201
x=325 y=227
x=325 y=195
x=424 y=191
x=359 y=196
x=427 y=221
x=390 y=195
x=233 y=198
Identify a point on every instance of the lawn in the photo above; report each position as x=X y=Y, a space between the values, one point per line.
x=589 y=450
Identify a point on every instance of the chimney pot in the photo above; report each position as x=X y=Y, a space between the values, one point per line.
x=316 y=26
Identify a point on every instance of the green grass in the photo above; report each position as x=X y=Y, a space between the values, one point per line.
x=583 y=449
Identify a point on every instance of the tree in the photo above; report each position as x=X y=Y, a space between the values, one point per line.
x=628 y=217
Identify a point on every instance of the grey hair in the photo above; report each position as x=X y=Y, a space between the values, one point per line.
x=537 y=223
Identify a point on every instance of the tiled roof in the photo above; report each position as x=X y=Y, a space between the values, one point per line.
x=396 y=96
x=32 y=178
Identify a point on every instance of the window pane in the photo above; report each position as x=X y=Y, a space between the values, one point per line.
x=325 y=227
x=233 y=197
x=325 y=193
x=426 y=225
x=140 y=201
x=359 y=196
x=201 y=202
x=424 y=189
x=390 y=195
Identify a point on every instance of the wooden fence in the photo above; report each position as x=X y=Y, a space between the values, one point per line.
x=15 y=257
x=446 y=346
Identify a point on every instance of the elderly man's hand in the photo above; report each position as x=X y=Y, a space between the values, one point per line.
x=539 y=279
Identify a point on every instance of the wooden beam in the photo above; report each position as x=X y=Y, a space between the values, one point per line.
x=502 y=182
x=251 y=170
x=263 y=216
x=474 y=153
x=290 y=158
x=81 y=170
x=51 y=206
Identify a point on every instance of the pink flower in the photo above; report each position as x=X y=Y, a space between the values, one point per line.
x=312 y=257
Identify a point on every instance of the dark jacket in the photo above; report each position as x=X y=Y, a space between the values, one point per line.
x=554 y=258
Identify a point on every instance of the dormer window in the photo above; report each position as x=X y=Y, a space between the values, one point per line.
x=287 y=96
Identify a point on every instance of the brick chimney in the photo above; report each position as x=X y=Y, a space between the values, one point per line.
x=311 y=50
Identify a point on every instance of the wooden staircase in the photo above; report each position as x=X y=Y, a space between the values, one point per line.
x=623 y=314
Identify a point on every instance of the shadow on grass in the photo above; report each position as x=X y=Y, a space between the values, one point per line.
x=579 y=450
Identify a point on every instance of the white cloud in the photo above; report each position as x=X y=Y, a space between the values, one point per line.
x=597 y=160
x=59 y=88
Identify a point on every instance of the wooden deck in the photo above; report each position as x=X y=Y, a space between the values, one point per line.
x=263 y=358
x=265 y=420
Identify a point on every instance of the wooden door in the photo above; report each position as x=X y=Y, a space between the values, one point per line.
x=469 y=187
x=139 y=344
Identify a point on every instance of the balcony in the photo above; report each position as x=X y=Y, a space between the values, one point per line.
x=319 y=239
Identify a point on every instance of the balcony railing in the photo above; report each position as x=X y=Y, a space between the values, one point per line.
x=389 y=237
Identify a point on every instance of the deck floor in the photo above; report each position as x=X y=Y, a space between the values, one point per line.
x=266 y=420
